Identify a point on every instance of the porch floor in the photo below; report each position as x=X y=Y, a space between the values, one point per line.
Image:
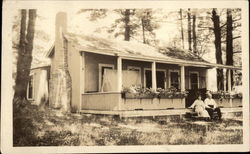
x=149 y=113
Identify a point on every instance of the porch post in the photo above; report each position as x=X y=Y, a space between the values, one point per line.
x=233 y=87
x=229 y=80
x=119 y=74
x=154 y=84
x=182 y=78
x=229 y=86
x=207 y=81
x=225 y=80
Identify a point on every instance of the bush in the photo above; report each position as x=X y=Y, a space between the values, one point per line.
x=23 y=127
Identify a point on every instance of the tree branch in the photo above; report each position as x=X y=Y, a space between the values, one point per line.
x=223 y=25
x=236 y=37
x=234 y=27
x=237 y=51
x=206 y=27
x=236 y=19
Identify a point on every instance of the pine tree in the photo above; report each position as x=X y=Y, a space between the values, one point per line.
x=217 y=43
x=25 y=53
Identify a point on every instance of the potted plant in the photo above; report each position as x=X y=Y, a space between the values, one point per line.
x=129 y=93
x=147 y=93
x=218 y=95
x=239 y=95
x=171 y=93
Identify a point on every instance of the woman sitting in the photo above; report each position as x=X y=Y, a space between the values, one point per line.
x=199 y=107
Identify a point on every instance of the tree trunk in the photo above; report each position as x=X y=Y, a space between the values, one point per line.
x=127 y=26
x=182 y=33
x=217 y=42
x=229 y=41
x=143 y=31
x=194 y=35
x=20 y=88
x=25 y=53
x=189 y=31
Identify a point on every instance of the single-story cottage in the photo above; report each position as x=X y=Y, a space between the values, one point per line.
x=95 y=73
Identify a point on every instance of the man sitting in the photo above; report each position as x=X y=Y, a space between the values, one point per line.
x=211 y=106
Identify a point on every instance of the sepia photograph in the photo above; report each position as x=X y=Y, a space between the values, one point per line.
x=109 y=75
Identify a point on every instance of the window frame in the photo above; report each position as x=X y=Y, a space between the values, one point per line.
x=198 y=78
x=100 y=65
x=149 y=69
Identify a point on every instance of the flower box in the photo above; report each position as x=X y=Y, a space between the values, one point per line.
x=137 y=96
x=130 y=95
x=217 y=96
x=179 y=95
x=147 y=96
x=165 y=96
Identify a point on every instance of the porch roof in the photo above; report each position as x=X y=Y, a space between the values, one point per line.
x=138 y=51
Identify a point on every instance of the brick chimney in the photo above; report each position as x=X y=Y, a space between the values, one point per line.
x=60 y=81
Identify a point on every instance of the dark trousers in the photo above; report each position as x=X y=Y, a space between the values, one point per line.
x=211 y=112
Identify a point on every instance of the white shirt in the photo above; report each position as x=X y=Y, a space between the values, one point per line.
x=210 y=101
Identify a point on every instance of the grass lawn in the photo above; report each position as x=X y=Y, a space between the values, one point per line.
x=48 y=127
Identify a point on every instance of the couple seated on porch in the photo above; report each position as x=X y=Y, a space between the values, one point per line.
x=207 y=108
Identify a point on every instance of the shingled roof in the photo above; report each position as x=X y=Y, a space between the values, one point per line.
x=125 y=48
x=135 y=50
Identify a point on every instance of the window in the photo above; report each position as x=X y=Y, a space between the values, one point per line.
x=102 y=67
x=30 y=88
x=194 y=80
x=174 y=80
x=160 y=78
x=135 y=75
x=148 y=79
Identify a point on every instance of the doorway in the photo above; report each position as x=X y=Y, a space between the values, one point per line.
x=194 y=80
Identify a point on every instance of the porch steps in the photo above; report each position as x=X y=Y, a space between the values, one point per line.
x=153 y=113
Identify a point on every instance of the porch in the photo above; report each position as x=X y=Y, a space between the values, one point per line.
x=105 y=77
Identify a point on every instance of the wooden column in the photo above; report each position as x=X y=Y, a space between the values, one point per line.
x=82 y=74
x=207 y=80
x=229 y=80
x=82 y=78
x=233 y=77
x=225 y=80
x=154 y=84
x=229 y=86
x=119 y=74
x=182 y=78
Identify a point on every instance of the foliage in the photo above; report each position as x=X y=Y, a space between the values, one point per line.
x=95 y=14
x=171 y=93
x=148 y=23
x=138 y=92
x=225 y=95
x=139 y=24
